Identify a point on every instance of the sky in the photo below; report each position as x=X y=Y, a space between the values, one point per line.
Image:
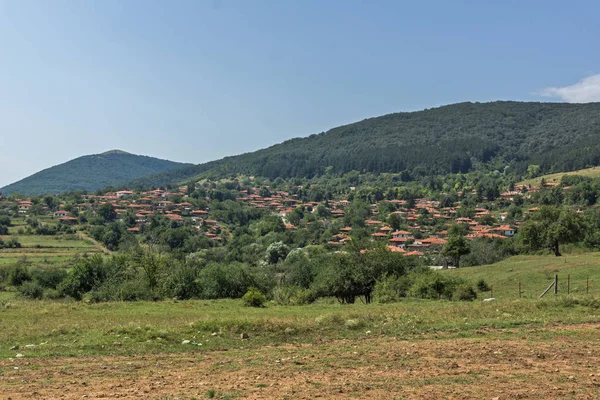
x=194 y=81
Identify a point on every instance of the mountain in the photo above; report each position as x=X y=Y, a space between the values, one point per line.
x=92 y=172
x=448 y=139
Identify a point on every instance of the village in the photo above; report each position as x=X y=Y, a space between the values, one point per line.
x=411 y=230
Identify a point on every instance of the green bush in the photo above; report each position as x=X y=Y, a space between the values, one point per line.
x=18 y=275
x=182 y=283
x=86 y=275
x=293 y=295
x=220 y=281
x=392 y=288
x=433 y=285
x=254 y=298
x=482 y=286
x=52 y=294
x=31 y=290
x=464 y=292
x=49 y=278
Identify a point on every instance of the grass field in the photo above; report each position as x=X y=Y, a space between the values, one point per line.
x=535 y=273
x=593 y=172
x=46 y=251
x=416 y=349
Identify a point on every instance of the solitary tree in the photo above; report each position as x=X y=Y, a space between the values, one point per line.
x=550 y=227
x=455 y=248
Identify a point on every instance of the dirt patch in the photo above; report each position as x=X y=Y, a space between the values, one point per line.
x=559 y=362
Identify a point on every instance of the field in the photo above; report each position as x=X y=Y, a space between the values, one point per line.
x=509 y=348
x=536 y=273
x=46 y=251
x=593 y=172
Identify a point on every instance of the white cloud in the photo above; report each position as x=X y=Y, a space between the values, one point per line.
x=586 y=90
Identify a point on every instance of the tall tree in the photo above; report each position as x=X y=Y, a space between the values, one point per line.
x=550 y=227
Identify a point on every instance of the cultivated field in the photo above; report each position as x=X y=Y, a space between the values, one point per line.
x=46 y=251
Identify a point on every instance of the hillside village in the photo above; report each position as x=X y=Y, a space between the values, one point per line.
x=411 y=229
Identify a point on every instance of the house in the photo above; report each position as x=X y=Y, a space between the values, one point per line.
x=504 y=230
x=379 y=235
x=398 y=242
x=123 y=193
x=68 y=220
x=24 y=206
x=60 y=213
x=401 y=234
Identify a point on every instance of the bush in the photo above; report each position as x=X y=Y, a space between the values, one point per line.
x=392 y=288
x=464 y=292
x=254 y=298
x=10 y=244
x=49 y=278
x=31 y=290
x=482 y=286
x=52 y=294
x=293 y=295
x=18 y=275
x=220 y=281
x=87 y=274
x=182 y=283
x=433 y=285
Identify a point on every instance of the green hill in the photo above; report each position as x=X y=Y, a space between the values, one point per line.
x=453 y=138
x=112 y=168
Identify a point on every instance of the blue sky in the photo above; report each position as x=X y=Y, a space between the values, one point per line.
x=198 y=80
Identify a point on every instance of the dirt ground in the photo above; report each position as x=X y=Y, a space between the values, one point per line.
x=560 y=362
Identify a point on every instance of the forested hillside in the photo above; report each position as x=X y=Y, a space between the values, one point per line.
x=90 y=173
x=454 y=138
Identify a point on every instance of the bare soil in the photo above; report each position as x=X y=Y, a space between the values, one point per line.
x=557 y=362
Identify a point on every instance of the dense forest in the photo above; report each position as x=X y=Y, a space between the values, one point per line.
x=90 y=173
x=450 y=139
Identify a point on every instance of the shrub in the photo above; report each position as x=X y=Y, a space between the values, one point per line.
x=293 y=295
x=464 y=292
x=18 y=275
x=182 y=283
x=49 y=278
x=52 y=294
x=254 y=298
x=225 y=281
x=31 y=290
x=482 y=286
x=87 y=274
x=392 y=288
x=433 y=285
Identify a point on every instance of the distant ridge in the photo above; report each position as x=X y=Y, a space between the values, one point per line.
x=91 y=172
x=448 y=139
x=114 y=152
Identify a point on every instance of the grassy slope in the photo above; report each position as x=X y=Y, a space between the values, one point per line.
x=535 y=273
x=593 y=172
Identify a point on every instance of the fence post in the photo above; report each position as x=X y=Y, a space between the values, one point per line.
x=520 y=290
x=556 y=284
